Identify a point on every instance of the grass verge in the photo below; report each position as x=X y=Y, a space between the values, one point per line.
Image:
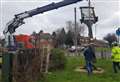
x=69 y=75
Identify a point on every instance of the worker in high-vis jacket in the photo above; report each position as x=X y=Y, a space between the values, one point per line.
x=116 y=57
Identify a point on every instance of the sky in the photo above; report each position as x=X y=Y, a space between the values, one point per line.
x=108 y=12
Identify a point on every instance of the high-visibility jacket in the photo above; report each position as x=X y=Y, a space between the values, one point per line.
x=116 y=54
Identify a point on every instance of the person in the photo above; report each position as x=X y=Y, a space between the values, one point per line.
x=116 y=57
x=94 y=60
x=89 y=55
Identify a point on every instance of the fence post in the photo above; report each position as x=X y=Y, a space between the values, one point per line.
x=7 y=67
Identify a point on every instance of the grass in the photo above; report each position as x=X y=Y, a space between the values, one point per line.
x=0 y=75
x=69 y=75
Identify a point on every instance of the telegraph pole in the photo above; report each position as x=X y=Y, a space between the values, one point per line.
x=75 y=29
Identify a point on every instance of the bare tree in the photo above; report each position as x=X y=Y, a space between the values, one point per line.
x=60 y=37
x=71 y=26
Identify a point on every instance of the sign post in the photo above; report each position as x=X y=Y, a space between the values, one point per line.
x=118 y=34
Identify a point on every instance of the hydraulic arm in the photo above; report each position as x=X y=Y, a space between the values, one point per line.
x=18 y=19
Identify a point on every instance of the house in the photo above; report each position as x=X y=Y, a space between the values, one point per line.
x=96 y=42
x=43 y=40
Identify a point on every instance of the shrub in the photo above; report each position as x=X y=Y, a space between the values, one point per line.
x=57 y=59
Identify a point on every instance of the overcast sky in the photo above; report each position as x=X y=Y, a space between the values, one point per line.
x=108 y=12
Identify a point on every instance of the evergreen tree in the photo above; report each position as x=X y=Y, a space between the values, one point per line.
x=69 y=38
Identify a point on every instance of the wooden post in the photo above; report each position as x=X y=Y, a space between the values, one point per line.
x=47 y=59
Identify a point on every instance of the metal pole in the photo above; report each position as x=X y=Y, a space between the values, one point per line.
x=89 y=21
x=89 y=9
x=75 y=30
x=89 y=3
x=95 y=30
x=7 y=63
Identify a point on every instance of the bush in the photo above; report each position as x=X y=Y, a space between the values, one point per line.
x=57 y=59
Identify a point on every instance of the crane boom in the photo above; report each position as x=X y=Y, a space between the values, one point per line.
x=43 y=9
x=17 y=21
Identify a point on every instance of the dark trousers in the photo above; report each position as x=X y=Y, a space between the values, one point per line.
x=116 y=65
x=89 y=67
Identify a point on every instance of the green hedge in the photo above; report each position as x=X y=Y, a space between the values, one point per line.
x=57 y=59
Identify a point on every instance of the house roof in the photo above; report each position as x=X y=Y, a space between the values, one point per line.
x=45 y=36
